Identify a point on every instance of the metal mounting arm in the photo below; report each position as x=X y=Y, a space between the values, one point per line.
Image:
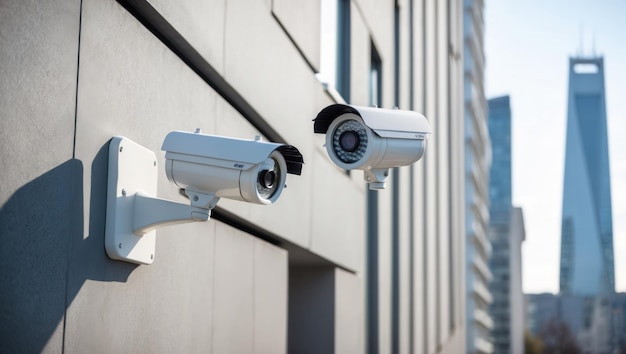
x=150 y=213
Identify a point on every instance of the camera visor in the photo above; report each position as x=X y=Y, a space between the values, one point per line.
x=350 y=141
x=267 y=178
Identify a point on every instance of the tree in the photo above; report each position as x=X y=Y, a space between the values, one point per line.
x=532 y=344
x=557 y=338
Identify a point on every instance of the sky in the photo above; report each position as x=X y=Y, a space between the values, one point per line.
x=527 y=48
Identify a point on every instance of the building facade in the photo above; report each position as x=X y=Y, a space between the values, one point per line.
x=329 y=268
x=587 y=266
x=477 y=162
x=506 y=232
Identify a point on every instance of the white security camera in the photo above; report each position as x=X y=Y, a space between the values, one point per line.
x=210 y=167
x=372 y=139
x=206 y=167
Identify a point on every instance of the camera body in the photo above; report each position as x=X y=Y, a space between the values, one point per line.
x=372 y=139
x=220 y=167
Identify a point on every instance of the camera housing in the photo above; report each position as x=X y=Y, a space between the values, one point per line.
x=372 y=139
x=220 y=167
x=206 y=167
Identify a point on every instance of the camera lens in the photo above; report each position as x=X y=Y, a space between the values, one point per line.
x=349 y=141
x=268 y=178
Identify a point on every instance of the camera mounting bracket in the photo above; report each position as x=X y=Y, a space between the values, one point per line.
x=133 y=211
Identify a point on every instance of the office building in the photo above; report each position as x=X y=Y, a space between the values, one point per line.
x=506 y=232
x=477 y=162
x=329 y=268
x=587 y=266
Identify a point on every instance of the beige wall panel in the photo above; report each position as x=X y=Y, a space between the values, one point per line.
x=201 y=23
x=385 y=218
x=431 y=177
x=264 y=66
x=270 y=298
x=419 y=193
x=124 y=310
x=338 y=225
x=233 y=294
x=405 y=54
x=301 y=20
x=419 y=76
x=360 y=59
x=39 y=59
x=378 y=17
x=349 y=315
x=38 y=66
x=419 y=268
x=458 y=155
x=444 y=172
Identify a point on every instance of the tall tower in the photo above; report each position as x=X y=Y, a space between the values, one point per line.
x=586 y=225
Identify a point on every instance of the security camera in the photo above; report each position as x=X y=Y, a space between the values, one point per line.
x=206 y=167
x=209 y=167
x=372 y=139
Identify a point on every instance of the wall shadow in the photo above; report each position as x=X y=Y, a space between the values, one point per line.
x=44 y=257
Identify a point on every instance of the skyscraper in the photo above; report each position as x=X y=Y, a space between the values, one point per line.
x=586 y=225
x=506 y=233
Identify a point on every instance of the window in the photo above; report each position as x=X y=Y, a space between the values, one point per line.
x=375 y=79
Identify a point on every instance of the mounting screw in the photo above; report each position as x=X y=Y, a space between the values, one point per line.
x=120 y=245
x=124 y=192
x=195 y=198
x=155 y=163
x=121 y=148
x=151 y=256
x=386 y=173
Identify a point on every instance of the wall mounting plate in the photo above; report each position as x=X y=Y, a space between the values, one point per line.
x=132 y=168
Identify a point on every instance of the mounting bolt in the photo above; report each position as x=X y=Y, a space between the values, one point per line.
x=120 y=245
x=151 y=256
x=124 y=192
x=121 y=148
x=195 y=198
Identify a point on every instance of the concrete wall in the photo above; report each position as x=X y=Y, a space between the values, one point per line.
x=76 y=73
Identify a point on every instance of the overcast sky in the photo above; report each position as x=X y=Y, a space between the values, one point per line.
x=527 y=47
